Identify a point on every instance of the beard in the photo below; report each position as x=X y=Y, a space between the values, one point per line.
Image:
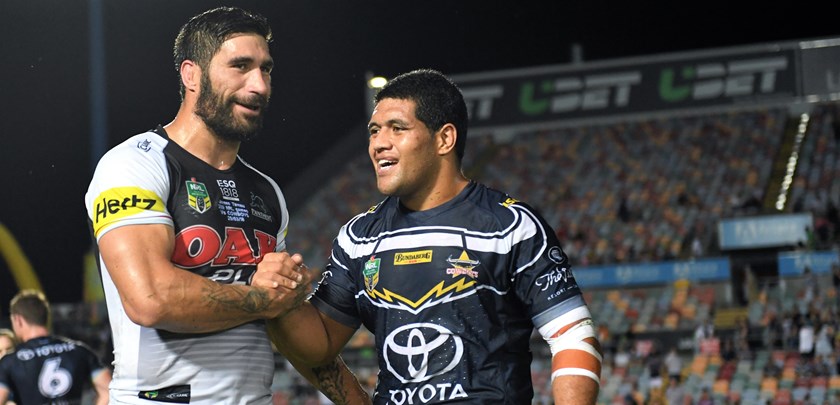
x=217 y=113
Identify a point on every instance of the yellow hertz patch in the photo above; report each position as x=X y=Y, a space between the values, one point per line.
x=120 y=202
x=509 y=201
x=422 y=256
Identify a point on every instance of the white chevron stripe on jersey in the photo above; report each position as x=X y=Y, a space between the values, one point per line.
x=524 y=226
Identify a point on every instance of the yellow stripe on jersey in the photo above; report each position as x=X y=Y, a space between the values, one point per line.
x=118 y=203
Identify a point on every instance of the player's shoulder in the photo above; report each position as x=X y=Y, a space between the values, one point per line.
x=497 y=204
x=136 y=150
x=71 y=344
x=370 y=220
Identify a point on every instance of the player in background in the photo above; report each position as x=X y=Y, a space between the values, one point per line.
x=45 y=368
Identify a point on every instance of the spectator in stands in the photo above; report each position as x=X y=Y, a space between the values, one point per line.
x=7 y=342
x=835 y=281
x=742 y=337
x=634 y=396
x=773 y=368
x=675 y=394
x=705 y=397
x=806 y=339
x=624 y=210
x=655 y=364
x=790 y=331
x=824 y=345
x=69 y=366
x=673 y=364
x=705 y=330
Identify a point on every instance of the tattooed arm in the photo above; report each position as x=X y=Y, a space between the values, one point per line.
x=312 y=342
x=336 y=381
x=157 y=294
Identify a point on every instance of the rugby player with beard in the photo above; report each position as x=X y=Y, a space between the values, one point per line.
x=191 y=238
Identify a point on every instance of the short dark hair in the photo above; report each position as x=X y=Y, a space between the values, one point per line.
x=33 y=306
x=202 y=36
x=438 y=101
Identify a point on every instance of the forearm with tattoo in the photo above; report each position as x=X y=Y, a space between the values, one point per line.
x=251 y=301
x=329 y=379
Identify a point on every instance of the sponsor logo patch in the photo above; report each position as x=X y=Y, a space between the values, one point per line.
x=178 y=394
x=421 y=256
x=509 y=201
x=118 y=203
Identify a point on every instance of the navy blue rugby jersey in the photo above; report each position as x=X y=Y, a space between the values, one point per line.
x=224 y=222
x=49 y=370
x=452 y=295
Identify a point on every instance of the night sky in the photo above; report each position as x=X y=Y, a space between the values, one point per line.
x=322 y=51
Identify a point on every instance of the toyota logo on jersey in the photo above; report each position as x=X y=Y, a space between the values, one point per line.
x=420 y=351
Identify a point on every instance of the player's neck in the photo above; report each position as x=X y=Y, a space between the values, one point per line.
x=32 y=332
x=440 y=193
x=191 y=133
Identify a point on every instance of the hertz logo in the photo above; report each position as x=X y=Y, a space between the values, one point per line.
x=422 y=256
x=121 y=202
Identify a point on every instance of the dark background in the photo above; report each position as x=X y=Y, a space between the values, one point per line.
x=322 y=51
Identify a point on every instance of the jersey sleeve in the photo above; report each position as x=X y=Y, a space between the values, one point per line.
x=129 y=186
x=92 y=360
x=5 y=372
x=335 y=294
x=543 y=278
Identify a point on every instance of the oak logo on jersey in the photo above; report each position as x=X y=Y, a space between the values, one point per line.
x=463 y=265
x=421 y=256
x=371 y=273
x=115 y=204
x=197 y=196
x=201 y=245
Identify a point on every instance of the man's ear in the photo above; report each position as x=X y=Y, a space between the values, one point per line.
x=446 y=137
x=190 y=76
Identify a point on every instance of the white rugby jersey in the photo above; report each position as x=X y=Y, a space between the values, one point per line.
x=224 y=222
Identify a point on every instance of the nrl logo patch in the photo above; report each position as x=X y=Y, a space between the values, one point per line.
x=371 y=273
x=198 y=197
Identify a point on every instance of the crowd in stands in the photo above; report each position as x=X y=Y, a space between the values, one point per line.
x=631 y=192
